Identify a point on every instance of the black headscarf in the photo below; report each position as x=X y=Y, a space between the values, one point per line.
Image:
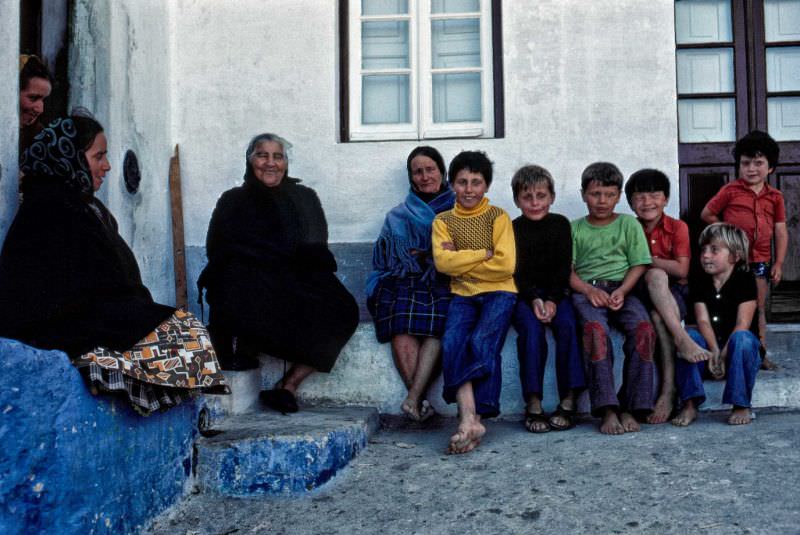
x=54 y=153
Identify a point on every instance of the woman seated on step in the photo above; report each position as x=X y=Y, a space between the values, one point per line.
x=270 y=278
x=68 y=281
x=407 y=297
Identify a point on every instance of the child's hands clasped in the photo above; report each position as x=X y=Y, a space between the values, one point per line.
x=598 y=297
x=544 y=311
x=716 y=364
x=616 y=299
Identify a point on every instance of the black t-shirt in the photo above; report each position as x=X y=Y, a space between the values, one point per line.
x=544 y=257
x=723 y=305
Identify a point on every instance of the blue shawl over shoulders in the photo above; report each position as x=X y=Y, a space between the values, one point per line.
x=407 y=226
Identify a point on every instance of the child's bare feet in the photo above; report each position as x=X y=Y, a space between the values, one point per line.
x=629 y=423
x=662 y=410
x=467 y=436
x=411 y=408
x=767 y=364
x=425 y=410
x=740 y=416
x=687 y=415
x=611 y=424
x=690 y=351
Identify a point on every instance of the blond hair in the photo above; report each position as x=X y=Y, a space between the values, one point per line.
x=729 y=235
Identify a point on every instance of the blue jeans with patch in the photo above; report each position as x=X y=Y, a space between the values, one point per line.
x=474 y=334
x=741 y=368
x=532 y=349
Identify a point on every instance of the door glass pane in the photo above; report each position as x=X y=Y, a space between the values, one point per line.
x=703 y=21
x=455 y=6
x=706 y=70
x=711 y=119
x=385 y=99
x=384 y=45
x=384 y=7
x=783 y=69
x=456 y=97
x=455 y=43
x=782 y=20
x=783 y=118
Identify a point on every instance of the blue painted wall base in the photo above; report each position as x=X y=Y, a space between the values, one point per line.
x=71 y=462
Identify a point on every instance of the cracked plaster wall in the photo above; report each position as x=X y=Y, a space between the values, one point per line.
x=9 y=112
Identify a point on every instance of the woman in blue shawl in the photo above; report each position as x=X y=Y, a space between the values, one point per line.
x=406 y=296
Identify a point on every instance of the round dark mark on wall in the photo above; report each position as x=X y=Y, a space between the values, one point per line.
x=130 y=172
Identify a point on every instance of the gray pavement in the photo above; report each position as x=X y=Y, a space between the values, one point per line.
x=709 y=478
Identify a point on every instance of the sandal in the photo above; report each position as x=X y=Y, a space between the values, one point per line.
x=534 y=418
x=561 y=412
x=279 y=399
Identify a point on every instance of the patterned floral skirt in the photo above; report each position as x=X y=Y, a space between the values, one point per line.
x=174 y=362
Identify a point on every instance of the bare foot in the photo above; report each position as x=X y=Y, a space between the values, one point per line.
x=629 y=423
x=690 y=351
x=740 y=416
x=410 y=408
x=425 y=410
x=467 y=437
x=611 y=424
x=767 y=364
x=662 y=410
x=687 y=415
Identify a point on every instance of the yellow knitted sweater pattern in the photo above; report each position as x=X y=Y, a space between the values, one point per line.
x=473 y=232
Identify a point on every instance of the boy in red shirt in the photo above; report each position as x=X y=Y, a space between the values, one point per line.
x=757 y=208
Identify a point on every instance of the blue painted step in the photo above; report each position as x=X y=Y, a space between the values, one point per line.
x=269 y=453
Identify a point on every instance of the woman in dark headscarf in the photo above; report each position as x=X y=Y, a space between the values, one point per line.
x=68 y=281
x=270 y=277
x=408 y=299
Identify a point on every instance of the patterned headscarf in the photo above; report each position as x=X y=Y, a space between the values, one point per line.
x=53 y=153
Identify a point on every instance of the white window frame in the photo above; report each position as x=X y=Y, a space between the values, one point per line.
x=420 y=73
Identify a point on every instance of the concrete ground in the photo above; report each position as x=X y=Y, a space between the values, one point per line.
x=709 y=478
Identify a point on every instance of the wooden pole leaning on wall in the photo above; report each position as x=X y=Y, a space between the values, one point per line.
x=178 y=248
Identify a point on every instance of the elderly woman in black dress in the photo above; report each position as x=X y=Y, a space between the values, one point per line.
x=270 y=277
x=407 y=297
x=68 y=281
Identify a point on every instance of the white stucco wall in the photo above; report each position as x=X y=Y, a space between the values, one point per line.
x=9 y=112
x=120 y=70
x=584 y=81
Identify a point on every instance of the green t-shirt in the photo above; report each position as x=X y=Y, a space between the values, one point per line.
x=609 y=251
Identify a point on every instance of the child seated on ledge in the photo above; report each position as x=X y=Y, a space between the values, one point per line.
x=724 y=300
x=474 y=244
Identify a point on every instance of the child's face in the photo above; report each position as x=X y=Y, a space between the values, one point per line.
x=470 y=187
x=754 y=169
x=600 y=200
x=535 y=201
x=649 y=206
x=716 y=258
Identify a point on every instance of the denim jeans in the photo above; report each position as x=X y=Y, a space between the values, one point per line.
x=636 y=392
x=474 y=334
x=532 y=349
x=741 y=368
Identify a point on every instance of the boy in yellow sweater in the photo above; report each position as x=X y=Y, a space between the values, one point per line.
x=474 y=244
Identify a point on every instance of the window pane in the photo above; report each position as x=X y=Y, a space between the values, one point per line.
x=384 y=7
x=703 y=21
x=782 y=20
x=701 y=120
x=384 y=45
x=783 y=69
x=456 y=43
x=783 y=118
x=707 y=70
x=385 y=99
x=456 y=97
x=455 y=6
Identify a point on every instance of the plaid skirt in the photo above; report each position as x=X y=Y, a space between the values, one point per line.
x=174 y=362
x=410 y=306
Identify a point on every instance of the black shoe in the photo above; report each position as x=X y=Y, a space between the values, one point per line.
x=279 y=399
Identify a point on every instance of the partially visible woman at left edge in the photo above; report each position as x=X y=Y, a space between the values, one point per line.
x=68 y=281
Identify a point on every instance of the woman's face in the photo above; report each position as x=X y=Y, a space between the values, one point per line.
x=269 y=163
x=425 y=174
x=97 y=157
x=31 y=100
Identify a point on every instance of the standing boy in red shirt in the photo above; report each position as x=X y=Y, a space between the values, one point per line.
x=757 y=208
